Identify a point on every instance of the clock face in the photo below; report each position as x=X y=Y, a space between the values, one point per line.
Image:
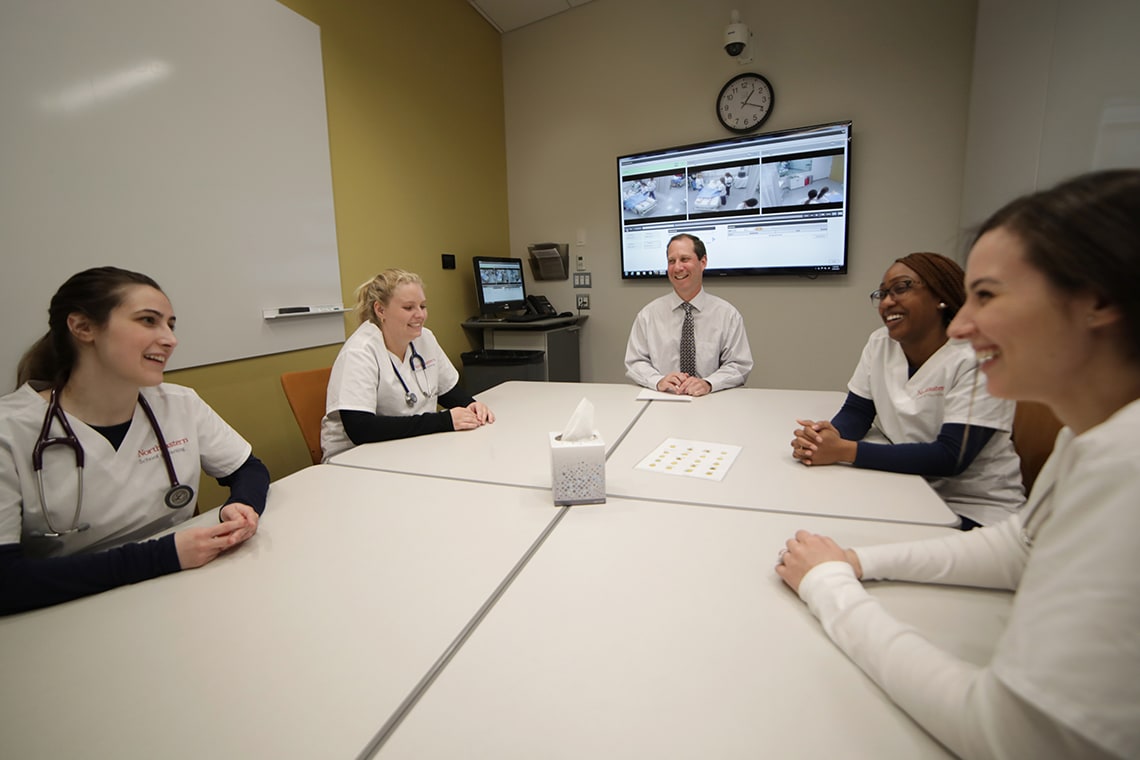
x=744 y=102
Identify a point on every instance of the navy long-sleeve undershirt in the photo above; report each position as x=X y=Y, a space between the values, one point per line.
x=248 y=484
x=366 y=427
x=942 y=457
x=27 y=583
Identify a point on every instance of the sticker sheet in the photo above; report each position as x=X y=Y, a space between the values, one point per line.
x=693 y=459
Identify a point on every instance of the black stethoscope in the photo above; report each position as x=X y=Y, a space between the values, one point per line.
x=410 y=398
x=176 y=497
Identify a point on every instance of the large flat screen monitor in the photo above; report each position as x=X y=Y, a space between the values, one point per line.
x=767 y=204
x=499 y=284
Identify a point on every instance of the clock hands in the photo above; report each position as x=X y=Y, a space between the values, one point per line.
x=750 y=94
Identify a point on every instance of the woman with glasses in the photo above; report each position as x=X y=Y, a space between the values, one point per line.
x=97 y=453
x=391 y=374
x=916 y=405
x=1052 y=317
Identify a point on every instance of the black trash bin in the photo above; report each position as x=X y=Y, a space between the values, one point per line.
x=488 y=367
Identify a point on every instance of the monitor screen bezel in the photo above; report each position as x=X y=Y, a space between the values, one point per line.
x=495 y=307
x=695 y=225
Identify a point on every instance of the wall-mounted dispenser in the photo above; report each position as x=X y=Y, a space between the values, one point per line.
x=550 y=261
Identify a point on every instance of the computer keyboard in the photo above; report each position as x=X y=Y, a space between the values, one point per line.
x=525 y=317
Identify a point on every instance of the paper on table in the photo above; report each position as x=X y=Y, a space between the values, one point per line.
x=694 y=459
x=652 y=395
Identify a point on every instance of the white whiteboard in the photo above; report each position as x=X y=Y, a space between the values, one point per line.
x=186 y=139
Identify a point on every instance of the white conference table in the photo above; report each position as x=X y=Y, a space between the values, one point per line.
x=515 y=450
x=642 y=629
x=299 y=644
x=635 y=628
x=764 y=475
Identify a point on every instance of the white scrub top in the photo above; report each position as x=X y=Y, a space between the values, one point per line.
x=123 y=489
x=913 y=410
x=364 y=379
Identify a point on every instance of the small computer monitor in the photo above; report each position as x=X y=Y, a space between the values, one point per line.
x=499 y=284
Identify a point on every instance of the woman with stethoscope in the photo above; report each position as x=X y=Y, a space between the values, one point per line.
x=97 y=454
x=1052 y=315
x=915 y=403
x=391 y=374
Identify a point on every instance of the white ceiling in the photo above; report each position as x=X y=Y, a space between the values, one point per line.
x=506 y=15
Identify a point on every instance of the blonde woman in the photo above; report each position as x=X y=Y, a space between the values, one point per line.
x=391 y=374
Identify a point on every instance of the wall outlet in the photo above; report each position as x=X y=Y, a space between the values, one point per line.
x=583 y=302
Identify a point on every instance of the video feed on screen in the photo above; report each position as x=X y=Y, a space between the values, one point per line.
x=816 y=180
x=654 y=196
x=502 y=283
x=724 y=190
x=769 y=203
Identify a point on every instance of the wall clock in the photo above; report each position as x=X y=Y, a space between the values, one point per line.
x=745 y=102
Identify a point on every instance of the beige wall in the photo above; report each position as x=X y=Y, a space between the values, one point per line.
x=1055 y=93
x=618 y=76
x=419 y=168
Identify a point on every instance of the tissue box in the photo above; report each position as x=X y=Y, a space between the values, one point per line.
x=578 y=470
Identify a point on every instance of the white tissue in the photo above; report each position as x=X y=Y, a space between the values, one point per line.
x=578 y=460
x=580 y=426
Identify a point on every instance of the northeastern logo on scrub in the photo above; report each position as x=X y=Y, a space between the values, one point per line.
x=931 y=389
x=145 y=455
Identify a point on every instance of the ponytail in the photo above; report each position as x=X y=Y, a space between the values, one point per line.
x=38 y=363
x=94 y=293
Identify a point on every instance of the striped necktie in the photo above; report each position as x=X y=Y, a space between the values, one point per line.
x=688 y=344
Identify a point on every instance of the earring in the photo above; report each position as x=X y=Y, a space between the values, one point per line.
x=941 y=304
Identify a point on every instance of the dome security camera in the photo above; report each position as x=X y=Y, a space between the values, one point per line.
x=736 y=37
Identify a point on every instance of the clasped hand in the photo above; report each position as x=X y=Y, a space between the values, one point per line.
x=197 y=546
x=684 y=384
x=471 y=416
x=818 y=442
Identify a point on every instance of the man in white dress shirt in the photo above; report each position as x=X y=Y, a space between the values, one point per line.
x=710 y=354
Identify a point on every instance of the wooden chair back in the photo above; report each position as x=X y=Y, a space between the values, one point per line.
x=305 y=391
x=1035 y=429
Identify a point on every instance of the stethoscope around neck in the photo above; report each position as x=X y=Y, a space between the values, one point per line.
x=176 y=497
x=411 y=399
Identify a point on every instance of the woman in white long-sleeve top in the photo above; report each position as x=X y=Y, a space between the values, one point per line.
x=1053 y=315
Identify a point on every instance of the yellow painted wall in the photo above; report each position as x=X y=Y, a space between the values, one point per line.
x=417 y=145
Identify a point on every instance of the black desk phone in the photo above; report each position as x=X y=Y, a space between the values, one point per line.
x=540 y=306
x=537 y=309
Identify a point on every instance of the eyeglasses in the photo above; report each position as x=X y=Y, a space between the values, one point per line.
x=896 y=290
